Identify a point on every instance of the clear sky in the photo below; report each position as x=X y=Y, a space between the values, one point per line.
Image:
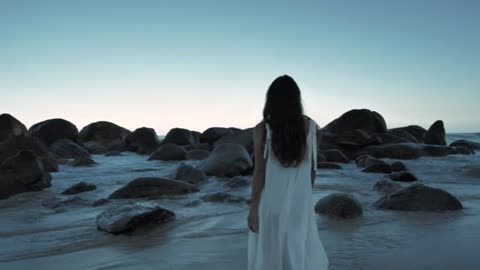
x=197 y=64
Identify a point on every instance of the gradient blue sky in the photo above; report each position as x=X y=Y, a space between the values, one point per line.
x=197 y=64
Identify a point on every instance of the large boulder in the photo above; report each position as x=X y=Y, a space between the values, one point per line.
x=435 y=134
x=386 y=186
x=189 y=174
x=465 y=143
x=49 y=131
x=378 y=168
x=364 y=161
x=79 y=188
x=151 y=187
x=386 y=138
x=364 y=119
x=416 y=131
x=227 y=159
x=197 y=154
x=143 y=141
x=403 y=134
x=179 y=136
x=108 y=134
x=335 y=155
x=128 y=217
x=462 y=150
x=419 y=197
x=243 y=137
x=339 y=205
x=404 y=176
x=438 y=150
x=21 y=173
x=398 y=166
x=169 y=151
x=95 y=148
x=65 y=148
x=83 y=162
x=10 y=127
x=198 y=146
x=395 y=151
x=16 y=144
x=214 y=133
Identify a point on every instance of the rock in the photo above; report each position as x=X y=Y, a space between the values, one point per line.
x=169 y=151
x=65 y=148
x=179 y=136
x=197 y=154
x=468 y=144
x=222 y=197
x=435 y=134
x=364 y=119
x=200 y=146
x=100 y=202
x=152 y=186
x=143 y=140
x=378 y=168
x=401 y=133
x=113 y=153
x=398 y=166
x=128 y=217
x=438 y=150
x=227 y=159
x=10 y=127
x=243 y=137
x=395 y=151
x=387 y=138
x=190 y=174
x=95 y=148
x=108 y=134
x=22 y=172
x=473 y=172
x=462 y=150
x=367 y=160
x=414 y=130
x=196 y=136
x=52 y=130
x=78 y=188
x=82 y=162
x=418 y=197
x=403 y=177
x=16 y=144
x=386 y=186
x=335 y=155
x=328 y=165
x=339 y=205
x=214 y=133
x=238 y=181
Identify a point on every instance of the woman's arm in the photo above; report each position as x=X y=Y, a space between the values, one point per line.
x=258 y=181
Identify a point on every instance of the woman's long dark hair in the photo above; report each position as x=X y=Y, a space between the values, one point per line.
x=283 y=112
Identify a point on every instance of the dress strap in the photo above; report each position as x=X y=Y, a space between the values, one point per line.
x=267 y=140
x=313 y=130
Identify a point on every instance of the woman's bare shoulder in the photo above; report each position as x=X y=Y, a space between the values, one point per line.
x=259 y=128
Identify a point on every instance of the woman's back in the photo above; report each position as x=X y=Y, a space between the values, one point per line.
x=287 y=229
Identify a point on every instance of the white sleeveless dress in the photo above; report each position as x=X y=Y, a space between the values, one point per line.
x=287 y=237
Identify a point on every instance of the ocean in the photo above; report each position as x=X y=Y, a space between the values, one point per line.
x=213 y=235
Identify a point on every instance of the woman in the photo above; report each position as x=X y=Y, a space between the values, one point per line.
x=282 y=230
